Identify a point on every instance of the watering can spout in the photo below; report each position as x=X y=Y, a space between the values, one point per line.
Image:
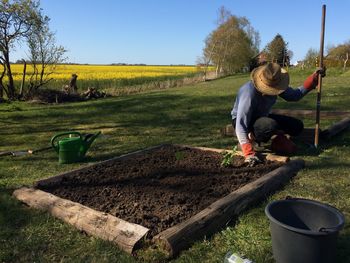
x=88 y=140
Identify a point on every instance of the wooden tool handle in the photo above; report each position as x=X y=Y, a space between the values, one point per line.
x=319 y=86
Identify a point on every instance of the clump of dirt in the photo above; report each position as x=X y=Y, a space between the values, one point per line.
x=160 y=188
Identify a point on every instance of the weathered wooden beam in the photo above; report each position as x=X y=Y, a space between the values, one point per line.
x=335 y=129
x=105 y=226
x=218 y=214
x=310 y=113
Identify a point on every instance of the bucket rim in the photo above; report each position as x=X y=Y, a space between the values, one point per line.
x=335 y=211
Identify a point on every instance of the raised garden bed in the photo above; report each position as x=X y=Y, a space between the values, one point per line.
x=174 y=193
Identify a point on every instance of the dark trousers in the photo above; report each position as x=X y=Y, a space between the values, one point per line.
x=265 y=127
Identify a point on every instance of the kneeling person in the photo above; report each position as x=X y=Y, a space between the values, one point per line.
x=251 y=117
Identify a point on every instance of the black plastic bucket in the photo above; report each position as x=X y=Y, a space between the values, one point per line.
x=303 y=230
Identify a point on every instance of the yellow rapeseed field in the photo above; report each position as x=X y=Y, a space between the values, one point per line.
x=110 y=72
x=110 y=78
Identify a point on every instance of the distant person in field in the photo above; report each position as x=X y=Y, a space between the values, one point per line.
x=251 y=118
x=73 y=83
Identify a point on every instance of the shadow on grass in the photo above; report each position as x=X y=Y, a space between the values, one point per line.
x=145 y=111
x=12 y=219
x=309 y=149
x=343 y=246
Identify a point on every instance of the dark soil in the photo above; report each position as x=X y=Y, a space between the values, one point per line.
x=161 y=188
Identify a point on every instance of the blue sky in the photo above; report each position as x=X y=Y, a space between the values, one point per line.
x=173 y=31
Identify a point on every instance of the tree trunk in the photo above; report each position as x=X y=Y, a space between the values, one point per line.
x=33 y=78
x=23 y=78
x=346 y=60
x=1 y=82
x=208 y=62
x=218 y=70
x=1 y=90
x=11 y=86
x=42 y=72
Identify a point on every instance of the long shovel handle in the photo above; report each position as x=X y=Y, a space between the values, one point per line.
x=5 y=153
x=39 y=150
x=319 y=86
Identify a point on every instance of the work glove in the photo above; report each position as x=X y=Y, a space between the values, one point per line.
x=247 y=149
x=321 y=71
x=311 y=81
x=282 y=145
x=252 y=160
x=249 y=154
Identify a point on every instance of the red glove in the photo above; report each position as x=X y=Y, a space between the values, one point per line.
x=311 y=81
x=247 y=149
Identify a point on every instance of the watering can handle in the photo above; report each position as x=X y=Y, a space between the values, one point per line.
x=55 y=146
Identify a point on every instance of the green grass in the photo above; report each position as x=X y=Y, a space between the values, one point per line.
x=187 y=115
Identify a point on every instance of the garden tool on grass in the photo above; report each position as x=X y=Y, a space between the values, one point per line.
x=73 y=148
x=25 y=152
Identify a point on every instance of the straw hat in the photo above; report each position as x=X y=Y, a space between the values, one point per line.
x=270 y=79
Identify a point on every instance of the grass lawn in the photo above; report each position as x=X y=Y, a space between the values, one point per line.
x=187 y=115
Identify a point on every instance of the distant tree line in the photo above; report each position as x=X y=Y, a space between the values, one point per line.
x=23 y=21
x=231 y=46
x=234 y=47
x=336 y=56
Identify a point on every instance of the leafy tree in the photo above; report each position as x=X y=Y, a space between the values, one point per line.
x=340 y=53
x=277 y=51
x=44 y=54
x=311 y=58
x=232 y=44
x=16 y=19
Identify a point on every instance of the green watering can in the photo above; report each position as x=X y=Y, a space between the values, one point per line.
x=73 y=148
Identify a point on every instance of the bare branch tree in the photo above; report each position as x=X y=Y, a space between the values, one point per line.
x=44 y=54
x=16 y=20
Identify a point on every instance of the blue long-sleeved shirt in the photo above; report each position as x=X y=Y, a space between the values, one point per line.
x=250 y=105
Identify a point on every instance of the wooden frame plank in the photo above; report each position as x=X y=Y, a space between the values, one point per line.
x=335 y=129
x=126 y=235
x=311 y=113
x=228 y=129
x=218 y=214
